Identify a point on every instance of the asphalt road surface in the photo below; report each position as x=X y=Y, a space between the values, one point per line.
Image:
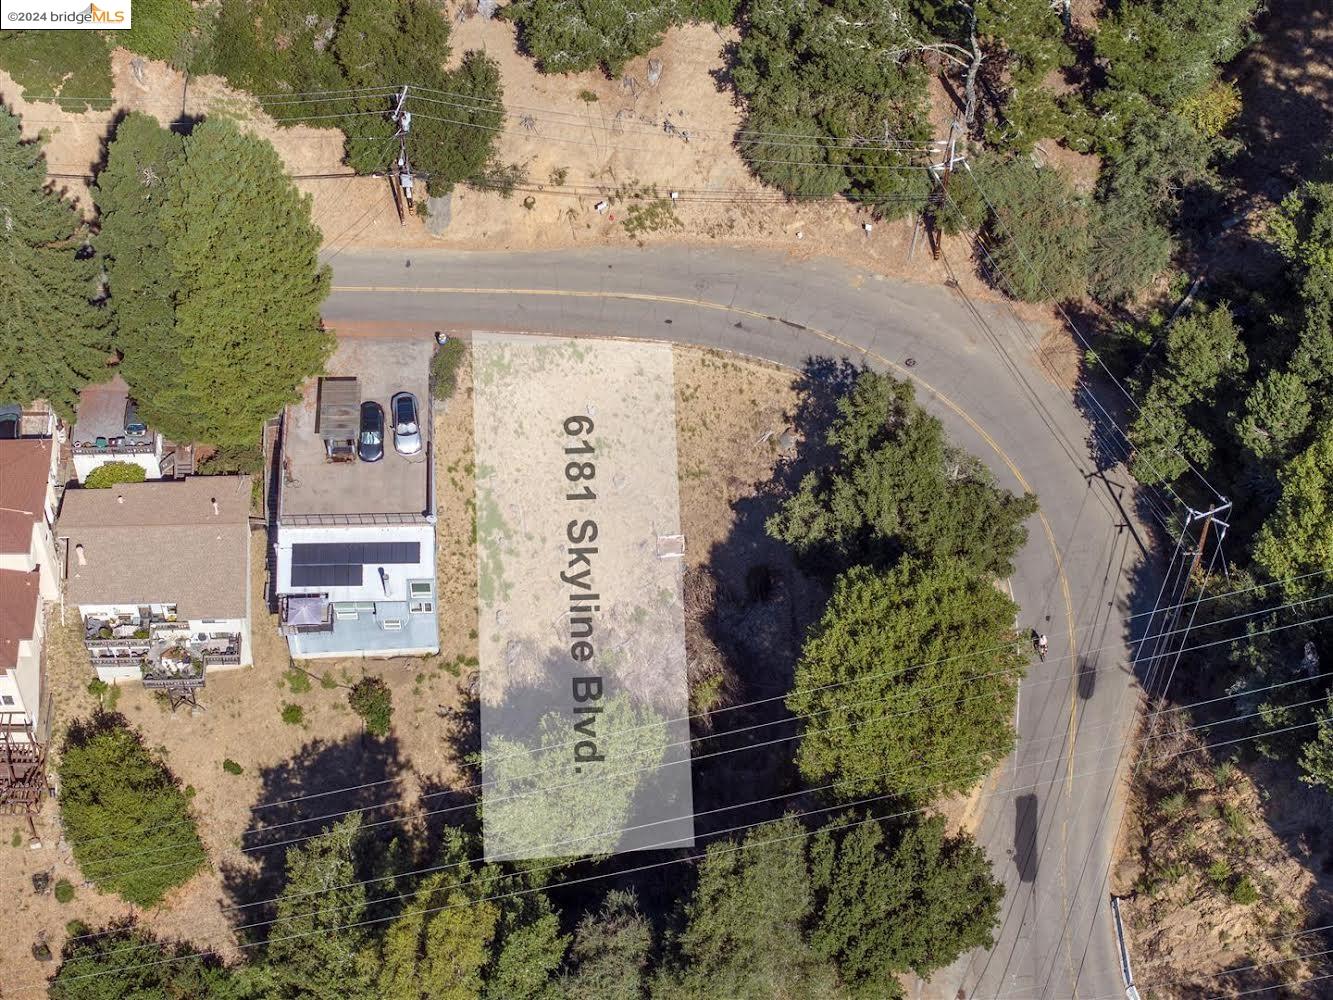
x=1048 y=816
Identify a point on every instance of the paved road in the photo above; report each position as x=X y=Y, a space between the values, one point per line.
x=1049 y=814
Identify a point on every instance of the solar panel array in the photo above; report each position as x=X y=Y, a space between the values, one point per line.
x=339 y=564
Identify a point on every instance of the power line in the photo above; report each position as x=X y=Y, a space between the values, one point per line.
x=714 y=849
x=878 y=675
x=546 y=791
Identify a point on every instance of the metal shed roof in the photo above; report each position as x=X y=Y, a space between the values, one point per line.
x=339 y=408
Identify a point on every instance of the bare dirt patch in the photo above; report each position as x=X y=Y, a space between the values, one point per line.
x=1222 y=875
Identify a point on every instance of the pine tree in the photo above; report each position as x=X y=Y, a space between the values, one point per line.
x=130 y=194
x=248 y=288
x=52 y=337
x=315 y=949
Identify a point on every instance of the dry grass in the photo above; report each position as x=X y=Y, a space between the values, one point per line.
x=725 y=407
x=1215 y=871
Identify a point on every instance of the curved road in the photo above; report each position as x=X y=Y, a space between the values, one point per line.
x=1049 y=814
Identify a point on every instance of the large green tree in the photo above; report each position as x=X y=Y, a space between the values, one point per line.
x=315 y=946
x=1036 y=229
x=887 y=905
x=438 y=948
x=541 y=802
x=52 y=338
x=744 y=936
x=611 y=951
x=1174 y=427
x=898 y=486
x=1298 y=538
x=337 y=58
x=824 y=85
x=126 y=962
x=907 y=685
x=248 y=287
x=569 y=36
x=130 y=194
x=125 y=815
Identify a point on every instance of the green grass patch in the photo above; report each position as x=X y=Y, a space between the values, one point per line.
x=293 y=715
x=64 y=892
x=231 y=767
x=298 y=681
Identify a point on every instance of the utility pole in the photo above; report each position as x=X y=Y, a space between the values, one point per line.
x=1209 y=518
x=401 y=177
x=939 y=173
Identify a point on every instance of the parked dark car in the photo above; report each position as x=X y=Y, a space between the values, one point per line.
x=406 y=429
x=370 y=442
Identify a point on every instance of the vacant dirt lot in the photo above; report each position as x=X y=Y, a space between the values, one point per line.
x=731 y=416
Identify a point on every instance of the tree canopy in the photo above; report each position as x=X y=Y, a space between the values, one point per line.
x=344 y=52
x=222 y=325
x=125 y=815
x=52 y=337
x=899 y=487
x=744 y=933
x=130 y=193
x=907 y=685
x=842 y=71
x=885 y=906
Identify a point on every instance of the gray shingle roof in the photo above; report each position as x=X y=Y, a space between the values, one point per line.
x=161 y=542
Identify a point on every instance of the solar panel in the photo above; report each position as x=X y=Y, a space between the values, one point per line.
x=327 y=576
x=355 y=553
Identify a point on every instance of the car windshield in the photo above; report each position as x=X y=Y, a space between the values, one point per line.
x=406 y=417
x=370 y=436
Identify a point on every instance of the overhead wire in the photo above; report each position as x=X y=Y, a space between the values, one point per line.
x=754 y=703
x=576 y=783
x=713 y=850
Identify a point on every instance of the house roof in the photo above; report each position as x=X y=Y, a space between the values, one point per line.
x=18 y=613
x=25 y=467
x=183 y=542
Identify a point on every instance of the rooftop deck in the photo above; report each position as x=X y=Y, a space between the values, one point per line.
x=365 y=637
x=395 y=489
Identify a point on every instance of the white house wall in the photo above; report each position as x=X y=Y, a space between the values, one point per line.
x=151 y=463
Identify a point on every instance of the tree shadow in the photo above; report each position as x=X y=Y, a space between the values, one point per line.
x=1285 y=106
x=765 y=602
x=303 y=796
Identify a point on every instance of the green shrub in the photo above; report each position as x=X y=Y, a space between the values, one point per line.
x=16 y=840
x=163 y=29
x=110 y=473
x=371 y=699
x=48 y=63
x=64 y=892
x=1244 y=891
x=1173 y=805
x=1219 y=873
x=231 y=767
x=293 y=715
x=444 y=367
x=119 y=804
